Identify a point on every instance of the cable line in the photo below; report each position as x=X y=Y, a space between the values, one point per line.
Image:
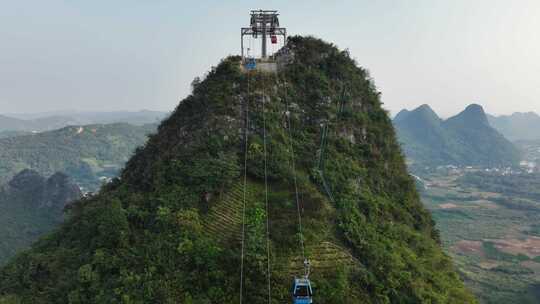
x=324 y=141
x=302 y=291
x=266 y=191
x=246 y=134
x=297 y=197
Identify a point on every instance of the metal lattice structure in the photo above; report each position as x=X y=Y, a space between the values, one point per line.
x=263 y=23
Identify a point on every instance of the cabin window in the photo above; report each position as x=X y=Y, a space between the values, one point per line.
x=302 y=291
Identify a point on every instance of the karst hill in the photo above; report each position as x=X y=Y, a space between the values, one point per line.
x=466 y=139
x=169 y=229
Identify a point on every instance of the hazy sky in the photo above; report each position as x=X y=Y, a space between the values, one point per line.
x=143 y=54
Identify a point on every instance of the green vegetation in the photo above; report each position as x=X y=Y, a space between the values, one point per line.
x=515 y=186
x=493 y=253
x=164 y=232
x=466 y=139
x=84 y=153
x=30 y=206
x=534 y=230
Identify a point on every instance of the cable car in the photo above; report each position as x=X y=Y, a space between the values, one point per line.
x=302 y=292
x=273 y=38
x=250 y=64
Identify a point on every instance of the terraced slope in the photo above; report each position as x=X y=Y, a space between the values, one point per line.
x=224 y=223
x=224 y=219
x=325 y=258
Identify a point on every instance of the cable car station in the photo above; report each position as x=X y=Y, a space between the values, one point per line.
x=264 y=25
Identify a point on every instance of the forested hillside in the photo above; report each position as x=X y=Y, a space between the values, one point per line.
x=465 y=139
x=31 y=205
x=85 y=153
x=168 y=230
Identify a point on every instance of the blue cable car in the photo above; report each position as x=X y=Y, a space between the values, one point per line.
x=302 y=292
x=251 y=64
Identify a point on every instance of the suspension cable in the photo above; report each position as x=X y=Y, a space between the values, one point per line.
x=293 y=166
x=266 y=191
x=324 y=142
x=246 y=136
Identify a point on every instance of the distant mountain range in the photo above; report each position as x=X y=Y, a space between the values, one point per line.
x=55 y=120
x=464 y=139
x=5 y=134
x=8 y=123
x=86 y=153
x=31 y=205
x=517 y=126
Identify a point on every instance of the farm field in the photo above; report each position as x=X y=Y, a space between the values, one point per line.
x=490 y=225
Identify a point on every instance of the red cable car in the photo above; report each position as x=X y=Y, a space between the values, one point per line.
x=273 y=38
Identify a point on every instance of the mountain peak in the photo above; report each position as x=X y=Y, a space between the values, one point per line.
x=27 y=180
x=472 y=115
x=60 y=191
x=426 y=111
x=443 y=143
x=401 y=115
x=56 y=191
x=425 y=107
x=422 y=115
x=475 y=108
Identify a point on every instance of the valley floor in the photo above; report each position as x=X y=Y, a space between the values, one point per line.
x=490 y=225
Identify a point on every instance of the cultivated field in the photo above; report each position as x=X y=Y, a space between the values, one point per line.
x=492 y=230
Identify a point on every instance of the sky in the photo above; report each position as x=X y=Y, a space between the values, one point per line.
x=139 y=54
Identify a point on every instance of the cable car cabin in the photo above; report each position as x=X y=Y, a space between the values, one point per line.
x=250 y=64
x=273 y=38
x=302 y=292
